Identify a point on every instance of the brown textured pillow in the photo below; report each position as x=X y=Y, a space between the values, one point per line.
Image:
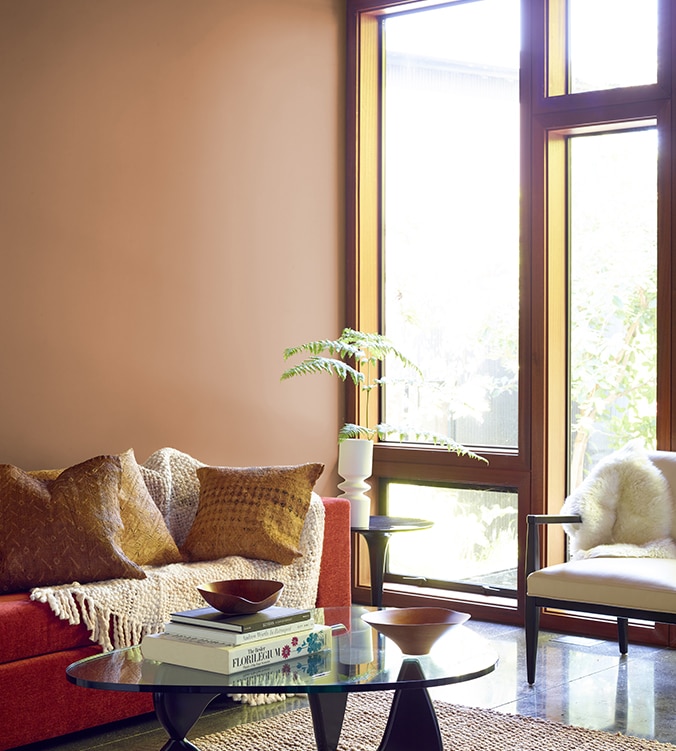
x=255 y=512
x=145 y=538
x=62 y=530
x=45 y=474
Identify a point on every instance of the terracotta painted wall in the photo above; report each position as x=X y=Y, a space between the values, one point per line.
x=170 y=219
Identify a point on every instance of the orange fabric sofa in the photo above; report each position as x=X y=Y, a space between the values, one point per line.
x=36 y=700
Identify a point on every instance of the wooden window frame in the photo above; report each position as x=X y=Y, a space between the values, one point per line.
x=538 y=468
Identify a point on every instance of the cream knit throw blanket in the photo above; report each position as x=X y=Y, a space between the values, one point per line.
x=118 y=612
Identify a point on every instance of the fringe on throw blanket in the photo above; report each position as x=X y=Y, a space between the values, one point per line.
x=119 y=612
x=102 y=606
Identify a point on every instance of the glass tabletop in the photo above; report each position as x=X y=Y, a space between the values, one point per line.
x=359 y=659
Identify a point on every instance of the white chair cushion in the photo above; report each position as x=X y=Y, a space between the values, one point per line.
x=642 y=583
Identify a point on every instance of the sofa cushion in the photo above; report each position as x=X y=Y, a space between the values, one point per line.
x=254 y=512
x=29 y=629
x=62 y=530
x=145 y=538
x=38 y=701
x=642 y=583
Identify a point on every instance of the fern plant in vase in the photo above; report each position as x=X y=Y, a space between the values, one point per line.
x=357 y=355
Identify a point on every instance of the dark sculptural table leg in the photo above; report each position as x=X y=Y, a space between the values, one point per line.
x=177 y=713
x=378 y=542
x=412 y=723
x=328 y=711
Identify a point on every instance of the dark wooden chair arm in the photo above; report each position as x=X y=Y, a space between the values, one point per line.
x=553 y=519
x=533 y=521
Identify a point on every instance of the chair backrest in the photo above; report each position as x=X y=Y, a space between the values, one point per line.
x=626 y=499
x=665 y=461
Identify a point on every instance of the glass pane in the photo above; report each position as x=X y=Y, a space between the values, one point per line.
x=612 y=43
x=613 y=294
x=473 y=539
x=451 y=218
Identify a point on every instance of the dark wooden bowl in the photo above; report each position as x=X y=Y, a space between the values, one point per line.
x=414 y=630
x=241 y=595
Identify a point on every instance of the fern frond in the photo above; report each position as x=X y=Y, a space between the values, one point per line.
x=384 y=430
x=350 y=430
x=328 y=365
x=378 y=347
x=366 y=350
x=344 y=347
x=314 y=348
x=354 y=345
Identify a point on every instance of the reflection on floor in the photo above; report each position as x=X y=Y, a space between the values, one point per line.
x=580 y=681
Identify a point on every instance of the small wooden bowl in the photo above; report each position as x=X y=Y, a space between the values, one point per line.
x=241 y=595
x=414 y=630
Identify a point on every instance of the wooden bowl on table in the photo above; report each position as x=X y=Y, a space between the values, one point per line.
x=415 y=630
x=241 y=595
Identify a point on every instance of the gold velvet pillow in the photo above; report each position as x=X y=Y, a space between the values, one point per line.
x=255 y=512
x=145 y=538
x=62 y=530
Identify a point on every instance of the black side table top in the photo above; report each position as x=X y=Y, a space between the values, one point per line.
x=377 y=536
x=394 y=524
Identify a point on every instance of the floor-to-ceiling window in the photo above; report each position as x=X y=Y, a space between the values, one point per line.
x=509 y=217
x=612 y=279
x=450 y=149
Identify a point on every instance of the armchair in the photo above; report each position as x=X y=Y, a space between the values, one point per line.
x=620 y=523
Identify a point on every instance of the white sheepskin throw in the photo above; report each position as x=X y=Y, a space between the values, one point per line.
x=626 y=507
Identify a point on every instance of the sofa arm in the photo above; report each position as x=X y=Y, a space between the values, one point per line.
x=533 y=522
x=335 y=582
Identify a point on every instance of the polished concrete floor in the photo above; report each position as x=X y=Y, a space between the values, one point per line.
x=579 y=681
x=584 y=682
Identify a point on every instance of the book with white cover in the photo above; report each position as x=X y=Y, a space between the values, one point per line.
x=317 y=668
x=205 y=654
x=235 y=637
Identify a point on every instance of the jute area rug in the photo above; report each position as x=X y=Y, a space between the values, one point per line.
x=462 y=729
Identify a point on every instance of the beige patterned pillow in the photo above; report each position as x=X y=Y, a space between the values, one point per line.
x=62 y=530
x=171 y=477
x=255 y=512
x=145 y=538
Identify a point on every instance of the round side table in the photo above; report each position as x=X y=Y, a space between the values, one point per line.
x=377 y=536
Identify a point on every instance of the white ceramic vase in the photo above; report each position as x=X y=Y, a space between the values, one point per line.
x=355 y=465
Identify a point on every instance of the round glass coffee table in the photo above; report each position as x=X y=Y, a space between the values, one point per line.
x=359 y=660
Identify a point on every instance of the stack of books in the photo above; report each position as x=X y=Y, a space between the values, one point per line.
x=207 y=639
